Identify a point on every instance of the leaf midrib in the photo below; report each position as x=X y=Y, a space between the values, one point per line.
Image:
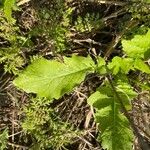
x=61 y=75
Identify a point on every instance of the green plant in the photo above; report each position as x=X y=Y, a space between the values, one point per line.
x=52 y=79
x=9 y=5
x=140 y=10
x=3 y=139
x=47 y=130
x=54 y=25
x=12 y=40
x=88 y=23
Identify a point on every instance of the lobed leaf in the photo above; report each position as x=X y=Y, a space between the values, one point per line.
x=140 y=65
x=52 y=79
x=138 y=46
x=121 y=65
x=104 y=96
x=115 y=129
x=114 y=126
x=124 y=65
x=125 y=91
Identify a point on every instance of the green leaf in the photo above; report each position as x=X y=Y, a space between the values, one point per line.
x=101 y=66
x=4 y=139
x=8 y=6
x=115 y=129
x=114 y=126
x=52 y=79
x=138 y=46
x=99 y=100
x=125 y=91
x=121 y=65
x=140 y=65
x=104 y=95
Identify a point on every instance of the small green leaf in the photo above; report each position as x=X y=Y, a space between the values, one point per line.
x=140 y=65
x=126 y=93
x=50 y=78
x=138 y=46
x=101 y=69
x=99 y=100
x=121 y=65
x=3 y=139
x=104 y=95
x=115 y=65
x=8 y=6
x=126 y=89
